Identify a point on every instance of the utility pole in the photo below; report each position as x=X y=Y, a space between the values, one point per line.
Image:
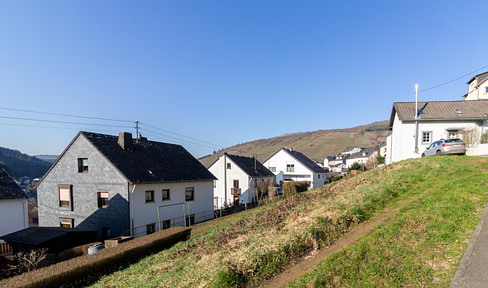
x=137 y=131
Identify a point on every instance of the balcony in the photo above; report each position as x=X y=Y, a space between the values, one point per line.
x=235 y=191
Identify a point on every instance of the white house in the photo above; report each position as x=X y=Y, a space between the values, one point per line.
x=436 y=120
x=124 y=186
x=336 y=163
x=13 y=205
x=288 y=164
x=362 y=157
x=240 y=180
x=477 y=87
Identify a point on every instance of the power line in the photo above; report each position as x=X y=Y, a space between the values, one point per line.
x=62 y=122
x=64 y=115
x=192 y=138
x=439 y=85
x=179 y=139
x=50 y=127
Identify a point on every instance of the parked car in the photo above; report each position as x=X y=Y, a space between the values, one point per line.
x=444 y=147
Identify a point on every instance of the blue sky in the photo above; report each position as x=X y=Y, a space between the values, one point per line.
x=225 y=72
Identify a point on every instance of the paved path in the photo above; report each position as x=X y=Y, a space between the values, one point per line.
x=473 y=269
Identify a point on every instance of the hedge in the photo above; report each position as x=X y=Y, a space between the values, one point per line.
x=87 y=269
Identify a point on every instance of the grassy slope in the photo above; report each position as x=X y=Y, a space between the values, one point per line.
x=440 y=201
x=316 y=145
x=423 y=243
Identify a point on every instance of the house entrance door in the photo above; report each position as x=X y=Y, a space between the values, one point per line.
x=236 y=200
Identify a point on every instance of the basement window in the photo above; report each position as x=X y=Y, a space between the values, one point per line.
x=66 y=222
x=190 y=220
x=166 y=224
x=150 y=228
x=102 y=199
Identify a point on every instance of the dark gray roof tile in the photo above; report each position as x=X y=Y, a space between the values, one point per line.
x=9 y=190
x=150 y=161
x=247 y=164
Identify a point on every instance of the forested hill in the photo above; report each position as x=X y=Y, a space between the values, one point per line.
x=18 y=164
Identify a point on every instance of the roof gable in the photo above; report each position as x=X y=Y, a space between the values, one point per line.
x=304 y=160
x=481 y=77
x=9 y=190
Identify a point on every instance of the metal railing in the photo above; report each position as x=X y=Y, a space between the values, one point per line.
x=176 y=222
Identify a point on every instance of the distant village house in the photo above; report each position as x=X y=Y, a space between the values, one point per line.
x=290 y=165
x=241 y=180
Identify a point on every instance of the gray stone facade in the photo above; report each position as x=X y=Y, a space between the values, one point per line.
x=101 y=176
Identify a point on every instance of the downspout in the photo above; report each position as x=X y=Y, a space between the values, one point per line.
x=131 y=200
x=225 y=180
x=416 y=120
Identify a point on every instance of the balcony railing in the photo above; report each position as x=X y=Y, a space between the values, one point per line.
x=235 y=191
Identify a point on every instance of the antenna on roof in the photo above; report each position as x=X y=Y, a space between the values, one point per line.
x=137 y=131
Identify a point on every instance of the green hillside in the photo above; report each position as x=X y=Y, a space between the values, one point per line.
x=432 y=206
x=316 y=144
x=18 y=164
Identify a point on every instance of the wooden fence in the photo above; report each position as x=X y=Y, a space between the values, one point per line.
x=5 y=248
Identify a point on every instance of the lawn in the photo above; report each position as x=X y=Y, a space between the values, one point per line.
x=439 y=202
x=423 y=244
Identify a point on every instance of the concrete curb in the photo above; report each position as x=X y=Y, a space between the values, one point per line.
x=463 y=266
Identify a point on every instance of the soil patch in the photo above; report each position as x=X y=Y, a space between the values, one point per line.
x=305 y=265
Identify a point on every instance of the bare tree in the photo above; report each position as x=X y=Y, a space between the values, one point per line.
x=471 y=137
x=28 y=261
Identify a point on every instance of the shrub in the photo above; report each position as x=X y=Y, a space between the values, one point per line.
x=484 y=138
x=291 y=188
x=356 y=166
x=86 y=269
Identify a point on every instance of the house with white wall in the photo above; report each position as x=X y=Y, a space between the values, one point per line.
x=362 y=157
x=13 y=205
x=124 y=186
x=337 y=163
x=477 y=87
x=436 y=120
x=240 y=180
x=288 y=164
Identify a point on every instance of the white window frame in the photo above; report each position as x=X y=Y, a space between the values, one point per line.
x=424 y=133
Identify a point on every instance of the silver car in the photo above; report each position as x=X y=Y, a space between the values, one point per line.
x=444 y=147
